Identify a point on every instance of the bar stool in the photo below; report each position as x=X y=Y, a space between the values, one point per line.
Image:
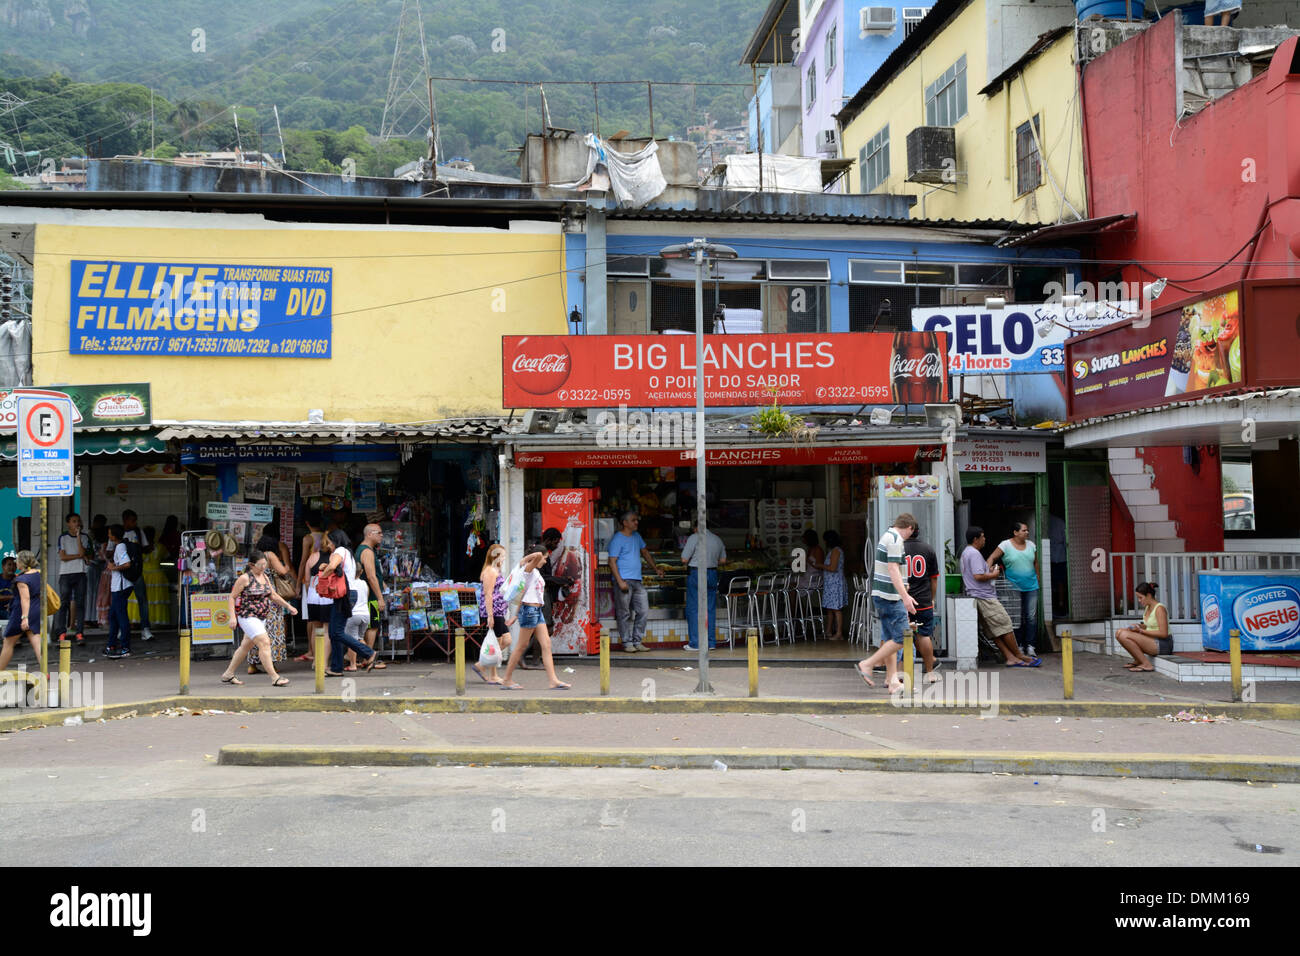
x=781 y=600
x=763 y=592
x=818 y=615
x=739 y=600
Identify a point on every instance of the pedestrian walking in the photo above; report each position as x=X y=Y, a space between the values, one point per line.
x=713 y=553
x=631 y=605
x=75 y=551
x=491 y=578
x=136 y=535
x=95 y=569
x=994 y=622
x=315 y=609
x=27 y=607
x=531 y=622
x=834 y=595
x=1019 y=556
x=890 y=598
x=252 y=601
x=922 y=585
x=368 y=571
x=8 y=575
x=1151 y=634
x=274 y=551
x=555 y=583
x=338 y=560
x=120 y=585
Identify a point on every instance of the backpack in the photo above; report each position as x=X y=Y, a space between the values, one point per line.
x=136 y=557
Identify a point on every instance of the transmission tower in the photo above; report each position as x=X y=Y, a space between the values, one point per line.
x=406 y=107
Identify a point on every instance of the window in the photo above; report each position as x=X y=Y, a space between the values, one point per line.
x=740 y=296
x=945 y=98
x=627 y=265
x=987 y=274
x=868 y=311
x=873 y=161
x=810 y=84
x=1029 y=171
x=797 y=308
x=829 y=51
x=929 y=273
x=912 y=16
x=872 y=270
x=799 y=269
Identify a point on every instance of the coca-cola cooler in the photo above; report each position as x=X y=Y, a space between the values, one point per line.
x=573 y=512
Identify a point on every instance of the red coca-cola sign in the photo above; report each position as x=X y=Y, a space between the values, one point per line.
x=541 y=365
x=916 y=368
x=565 y=497
x=595 y=371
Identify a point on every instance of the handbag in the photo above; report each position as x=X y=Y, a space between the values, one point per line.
x=286 y=586
x=332 y=586
x=52 y=602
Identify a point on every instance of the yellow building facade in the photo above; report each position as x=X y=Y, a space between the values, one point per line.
x=993 y=176
x=414 y=324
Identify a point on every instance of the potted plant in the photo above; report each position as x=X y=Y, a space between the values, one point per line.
x=952 y=579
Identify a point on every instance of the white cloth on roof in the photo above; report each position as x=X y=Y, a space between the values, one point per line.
x=636 y=178
x=780 y=173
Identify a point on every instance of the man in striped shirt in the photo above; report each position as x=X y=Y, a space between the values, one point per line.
x=892 y=602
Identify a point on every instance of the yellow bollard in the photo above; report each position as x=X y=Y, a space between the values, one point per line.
x=1067 y=662
x=909 y=658
x=751 y=647
x=65 y=672
x=1234 y=658
x=185 y=660
x=318 y=659
x=604 y=662
x=460 y=662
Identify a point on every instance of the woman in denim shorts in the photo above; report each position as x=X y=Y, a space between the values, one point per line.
x=530 y=620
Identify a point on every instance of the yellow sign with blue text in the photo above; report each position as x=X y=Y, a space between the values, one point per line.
x=403 y=324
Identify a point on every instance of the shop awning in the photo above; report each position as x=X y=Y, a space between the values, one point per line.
x=100 y=443
x=1064 y=230
x=1217 y=420
x=330 y=432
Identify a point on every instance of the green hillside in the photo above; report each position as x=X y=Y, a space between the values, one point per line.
x=326 y=63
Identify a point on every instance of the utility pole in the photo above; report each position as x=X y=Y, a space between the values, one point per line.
x=284 y=161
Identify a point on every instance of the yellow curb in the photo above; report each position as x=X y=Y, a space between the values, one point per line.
x=634 y=705
x=1041 y=763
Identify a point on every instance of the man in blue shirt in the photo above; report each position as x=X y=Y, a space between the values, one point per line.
x=631 y=606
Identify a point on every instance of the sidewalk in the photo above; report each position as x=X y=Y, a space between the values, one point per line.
x=152 y=671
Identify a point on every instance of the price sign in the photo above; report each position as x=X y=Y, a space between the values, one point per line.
x=45 y=462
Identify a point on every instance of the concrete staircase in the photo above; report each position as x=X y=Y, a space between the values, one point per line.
x=1136 y=482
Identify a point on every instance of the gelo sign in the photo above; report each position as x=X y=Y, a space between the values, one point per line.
x=1270 y=613
x=1019 y=339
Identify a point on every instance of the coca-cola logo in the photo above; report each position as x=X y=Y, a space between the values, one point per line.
x=929 y=365
x=565 y=498
x=543 y=372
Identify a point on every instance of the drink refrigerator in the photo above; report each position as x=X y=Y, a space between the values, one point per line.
x=926 y=498
x=573 y=512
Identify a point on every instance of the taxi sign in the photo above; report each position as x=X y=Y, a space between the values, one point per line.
x=45 y=459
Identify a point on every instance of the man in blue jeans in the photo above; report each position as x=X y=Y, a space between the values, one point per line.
x=631 y=606
x=713 y=552
x=892 y=602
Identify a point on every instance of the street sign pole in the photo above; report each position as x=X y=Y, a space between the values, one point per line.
x=45 y=467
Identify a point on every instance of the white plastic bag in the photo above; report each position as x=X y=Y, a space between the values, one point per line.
x=513 y=587
x=489 y=652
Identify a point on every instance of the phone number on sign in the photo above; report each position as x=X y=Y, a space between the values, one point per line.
x=853 y=391
x=594 y=395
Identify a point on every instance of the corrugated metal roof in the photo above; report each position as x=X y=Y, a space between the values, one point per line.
x=659 y=213
x=783 y=17
x=1270 y=394
x=1066 y=230
x=450 y=429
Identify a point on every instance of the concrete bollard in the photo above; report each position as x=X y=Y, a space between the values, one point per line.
x=604 y=662
x=909 y=658
x=1234 y=659
x=65 y=672
x=318 y=658
x=751 y=648
x=185 y=660
x=1067 y=662
x=460 y=662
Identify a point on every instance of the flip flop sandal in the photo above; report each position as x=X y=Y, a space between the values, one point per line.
x=481 y=675
x=869 y=682
x=374 y=664
x=280 y=682
x=231 y=680
x=333 y=674
x=304 y=659
x=511 y=686
x=562 y=686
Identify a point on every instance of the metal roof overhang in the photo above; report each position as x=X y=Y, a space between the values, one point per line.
x=782 y=18
x=1219 y=420
x=867 y=435
x=1064 y=230
x=328 y=433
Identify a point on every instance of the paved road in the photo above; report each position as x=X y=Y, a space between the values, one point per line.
x=146 y=790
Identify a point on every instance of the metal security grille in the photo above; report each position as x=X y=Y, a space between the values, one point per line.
x=1087 y=531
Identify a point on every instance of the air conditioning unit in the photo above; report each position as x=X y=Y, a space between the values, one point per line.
x=911 y=17
x=827 y=141
x=881 y=20
x=932 y=155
